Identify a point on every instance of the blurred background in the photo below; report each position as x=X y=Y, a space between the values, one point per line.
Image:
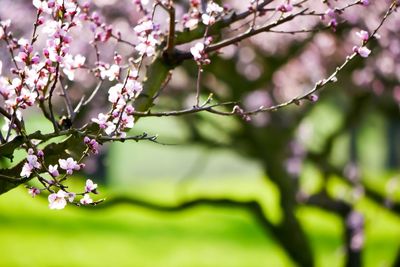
x=315 y=184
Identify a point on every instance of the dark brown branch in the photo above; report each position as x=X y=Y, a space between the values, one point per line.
x=53 y=87
x=252 y=32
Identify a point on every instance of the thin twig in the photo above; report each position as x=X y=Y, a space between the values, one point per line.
x=255 y=15
x=253 y=32
x=84 y=102
x=67 y=100
x=306 y=96
x=35 y=26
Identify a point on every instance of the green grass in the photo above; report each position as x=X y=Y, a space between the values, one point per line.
x=32 y=235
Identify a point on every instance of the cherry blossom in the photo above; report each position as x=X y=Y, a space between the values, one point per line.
x=284 y=8
x=191 y=20
x=213 y=11
x=69 y=165
x=111 y=72
x=90 y=186
x=144 y=28
x=58 y=200
x=86 y=200
x=364 y=36
x=362 y=51
x=31 y=164
x=33 y=191
x=26 y=170
x=70 y=64
x=43 y=6
x=101 y=120
x=92 y=144
x=53 y=170
x=71 y=196
x=197 y=51
x=148 y=34
x=365 y=2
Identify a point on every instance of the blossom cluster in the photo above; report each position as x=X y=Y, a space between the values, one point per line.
x=120 y=118
x=35 y=164
x=59 y=200
x=42 y=67
x=148 y=34
x=191 y=19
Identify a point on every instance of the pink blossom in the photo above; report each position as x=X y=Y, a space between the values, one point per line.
x=92 y=144
x=53 y=170
x=101 y=120
x=69 y=165
x=133 y=88
x=190 y=21
x=207 y=19
x=127 y=121
x=213 y=11
x=26 y=170
x=313 y=97
x=33 y=191
x=21 y=57
x=284 y=8
x=86 y=200
x=27 y=97
x=148 y=34
x=214 y=8
x=86 y=140
x=42 y=6
x=33 y=161
x=110 y=128
x=35 y=59
x=70 y=64
x=365 y=2
x=110 y=72
x=194 y=3
x=71 y=196
x=90 y=186
x=31 y=164
x=362 y=51
x=363 y=35
x=197 y=51
x=5 y=23
x=57 y=200
x=115 y=93
x=147 y=46
x=144 y=27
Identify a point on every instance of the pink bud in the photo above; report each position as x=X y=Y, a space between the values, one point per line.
x=33 y=191
x=86 y=140
x=40 y=153
x=35 y=59
x=46 y=52
x=40 y=20
x=22 y=56
x=365 y=2
x=313 y=97
x=51 y=3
